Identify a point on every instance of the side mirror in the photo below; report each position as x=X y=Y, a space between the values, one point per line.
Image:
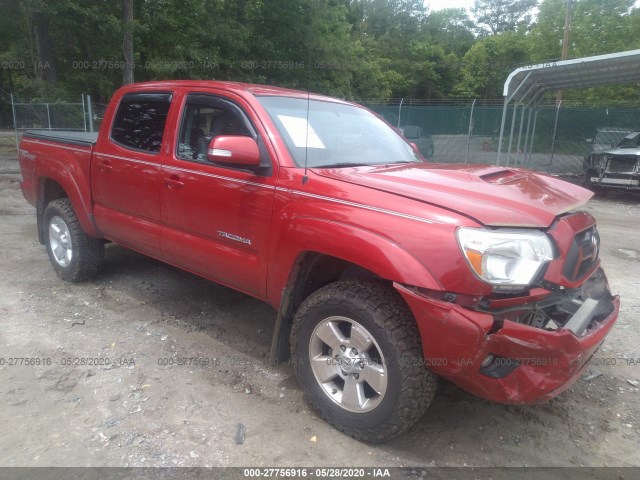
x=234 y=150
x=414 y=146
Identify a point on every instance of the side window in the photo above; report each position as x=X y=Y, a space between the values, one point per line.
x=201 y=122
x=140 y=120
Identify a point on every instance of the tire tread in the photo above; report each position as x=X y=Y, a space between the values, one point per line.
x=393 y=315
x=89 y=252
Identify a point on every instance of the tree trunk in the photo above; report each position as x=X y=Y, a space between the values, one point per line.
x=45 y=67
x=127 y=41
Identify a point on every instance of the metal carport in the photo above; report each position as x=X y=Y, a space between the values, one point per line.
x=526 y=87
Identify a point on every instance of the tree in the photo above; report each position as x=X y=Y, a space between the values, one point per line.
x=495 y=16
x=597 y=27
x=488 y=63
x=450 y=28
x=127 y=41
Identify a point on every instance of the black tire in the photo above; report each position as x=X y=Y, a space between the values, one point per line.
x=430 y=152
x=87 y=253
x=409 y=386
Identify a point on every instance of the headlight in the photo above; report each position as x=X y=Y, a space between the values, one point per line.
x=598 y=161
x=505 y=257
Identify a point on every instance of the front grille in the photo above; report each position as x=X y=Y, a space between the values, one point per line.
x=583 y=254
x=622 y=164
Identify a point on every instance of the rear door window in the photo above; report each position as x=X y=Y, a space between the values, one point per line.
x=140 y=121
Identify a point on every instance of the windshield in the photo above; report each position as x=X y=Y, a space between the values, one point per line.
x=631 y=140
x=336 y=135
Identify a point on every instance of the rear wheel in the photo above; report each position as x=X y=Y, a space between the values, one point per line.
x=73 y=254
x=357 y=354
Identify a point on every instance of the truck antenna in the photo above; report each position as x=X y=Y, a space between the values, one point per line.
x=305 y=178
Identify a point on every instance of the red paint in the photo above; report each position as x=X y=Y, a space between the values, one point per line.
x=246 y=230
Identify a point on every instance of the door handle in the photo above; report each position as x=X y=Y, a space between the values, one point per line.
x=173 y=182
x=105 y=166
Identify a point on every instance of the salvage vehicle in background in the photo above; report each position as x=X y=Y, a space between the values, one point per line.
x=386 y=272
x=420 y=138
x=607 y=137
x=614 y=168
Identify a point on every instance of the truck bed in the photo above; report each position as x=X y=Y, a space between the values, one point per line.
x=87 y=139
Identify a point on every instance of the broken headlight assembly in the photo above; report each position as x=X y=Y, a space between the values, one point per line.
x=508 y=259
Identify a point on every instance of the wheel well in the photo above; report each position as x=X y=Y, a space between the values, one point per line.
x=311 y=271
x=48 y=190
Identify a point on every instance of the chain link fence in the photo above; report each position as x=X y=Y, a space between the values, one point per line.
x=448 y=131
x=82 y=115
x=467 y=131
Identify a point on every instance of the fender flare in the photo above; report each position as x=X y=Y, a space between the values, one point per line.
x=79 y=195
x=355 y=245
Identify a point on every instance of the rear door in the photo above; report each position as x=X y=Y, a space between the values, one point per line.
x=125 y=171
x=217 y=218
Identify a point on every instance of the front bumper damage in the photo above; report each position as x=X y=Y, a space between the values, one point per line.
x=527 y=347
x=613 y=171
x=505 y=361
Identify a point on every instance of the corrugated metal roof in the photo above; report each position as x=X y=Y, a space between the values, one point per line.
x=529 y=83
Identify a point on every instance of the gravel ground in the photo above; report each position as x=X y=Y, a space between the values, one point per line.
x=132 y=407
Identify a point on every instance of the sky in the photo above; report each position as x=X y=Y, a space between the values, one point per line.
x=440 y=4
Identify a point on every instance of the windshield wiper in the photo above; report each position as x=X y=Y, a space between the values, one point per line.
x=350 y=164
x=344 y=164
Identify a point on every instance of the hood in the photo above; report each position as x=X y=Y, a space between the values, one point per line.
x=491 y=195
x=627 y=151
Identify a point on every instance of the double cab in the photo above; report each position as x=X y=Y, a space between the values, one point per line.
x=386 y=272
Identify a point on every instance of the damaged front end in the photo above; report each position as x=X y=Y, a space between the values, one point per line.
x=618 y=167
x=523 y=346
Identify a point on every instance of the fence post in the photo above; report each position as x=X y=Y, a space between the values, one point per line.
x=526 y=139
x=400 y=111
x=502 y=123
x=90 y=111
x=527 y=159
x=513 y=126
x=48 y=117
x=520 y=134
x=15 y=122
x=553 y=139
x=84 y=113
x=466 y=155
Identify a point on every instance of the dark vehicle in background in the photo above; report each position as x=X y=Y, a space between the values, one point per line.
x=617 y=167
x=607 y=137
x=422 y=139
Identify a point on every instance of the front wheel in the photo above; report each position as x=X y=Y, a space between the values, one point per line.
x=73 y=254
x=430 y=152
x=357 y=354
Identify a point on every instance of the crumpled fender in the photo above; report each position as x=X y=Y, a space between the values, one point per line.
x=369 y=250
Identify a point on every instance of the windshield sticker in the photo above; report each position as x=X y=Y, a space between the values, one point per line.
x=298 y=128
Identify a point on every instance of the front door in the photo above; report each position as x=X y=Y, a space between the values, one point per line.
x=216 y=218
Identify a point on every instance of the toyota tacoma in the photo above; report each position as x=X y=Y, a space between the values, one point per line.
x=386 y=272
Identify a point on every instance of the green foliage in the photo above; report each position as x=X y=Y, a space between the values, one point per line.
x=488 y=63
x=496 y=16
x=352 y=48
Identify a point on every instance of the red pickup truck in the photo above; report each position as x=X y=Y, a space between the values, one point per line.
x=387 y=272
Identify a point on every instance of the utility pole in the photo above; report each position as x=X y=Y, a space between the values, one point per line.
x=127 y=41
x=565 y=42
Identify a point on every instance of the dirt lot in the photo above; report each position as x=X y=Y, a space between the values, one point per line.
x=139 y=411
